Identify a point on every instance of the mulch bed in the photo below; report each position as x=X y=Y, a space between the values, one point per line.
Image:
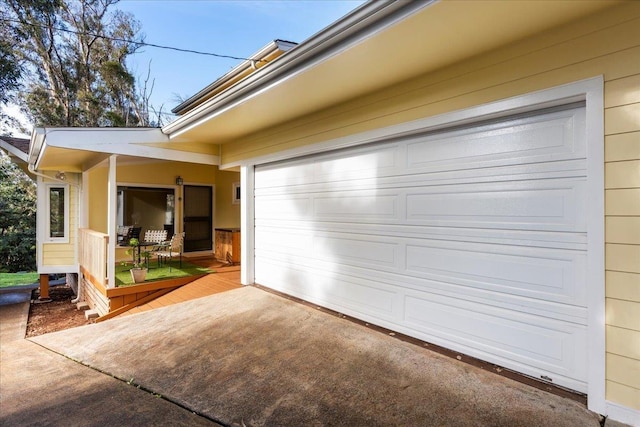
x=57 y=315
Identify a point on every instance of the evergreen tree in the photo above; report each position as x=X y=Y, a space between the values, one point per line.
x=17 y=218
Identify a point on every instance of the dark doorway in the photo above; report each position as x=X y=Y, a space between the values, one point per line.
x=198 y=218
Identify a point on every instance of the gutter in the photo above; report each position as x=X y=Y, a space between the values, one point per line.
x=274 y=46
x=339 y=36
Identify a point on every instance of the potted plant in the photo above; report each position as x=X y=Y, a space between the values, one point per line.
x=138 y=273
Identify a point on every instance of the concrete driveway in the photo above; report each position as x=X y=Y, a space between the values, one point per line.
x=248 y=357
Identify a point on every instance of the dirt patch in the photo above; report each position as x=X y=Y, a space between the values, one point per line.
x=57 y=315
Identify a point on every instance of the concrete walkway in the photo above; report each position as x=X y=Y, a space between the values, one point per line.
x=41 y=387
x=248 y=357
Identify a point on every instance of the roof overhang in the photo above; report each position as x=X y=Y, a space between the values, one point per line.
x=79 y=149
x=17 y=156
x=267 y=54
x=365 y=51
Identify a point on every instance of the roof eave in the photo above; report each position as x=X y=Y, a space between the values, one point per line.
x=14 y=151
x=369 y=17
x=274 y=46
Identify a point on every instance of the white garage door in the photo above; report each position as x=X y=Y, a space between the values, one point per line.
x=472 y=238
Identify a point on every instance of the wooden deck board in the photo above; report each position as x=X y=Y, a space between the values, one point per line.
x=225 y=279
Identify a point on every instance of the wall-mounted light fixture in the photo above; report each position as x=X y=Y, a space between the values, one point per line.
x=61 y=176
x=179 y=180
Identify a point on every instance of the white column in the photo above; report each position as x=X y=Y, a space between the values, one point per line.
x=112 y=193
x=83 y=214
x=247 y=227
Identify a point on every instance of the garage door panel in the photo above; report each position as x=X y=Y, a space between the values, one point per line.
x=331 y=289
x=506 y=335
x=388 y=268
x=544 y=137
x=360 y=250
x=527 y=205
x=553 y=205
x=369 y=163
x=488 y=176
x=378 y=162
x=533 y=238
x=536 y=273
x=357 y=205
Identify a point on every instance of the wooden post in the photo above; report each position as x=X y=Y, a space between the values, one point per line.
x=44 y=287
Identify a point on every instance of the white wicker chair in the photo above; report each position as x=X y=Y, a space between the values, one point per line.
x=174 y=249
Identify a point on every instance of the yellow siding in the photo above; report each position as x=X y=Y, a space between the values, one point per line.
x=227 y=214
x=622 y=369
x=623 y=229
x=622 y=235
x=97 y=199
x=622 y=146
x=623 y=286
x=622 y=174
x=607 y=44
x=622 y=202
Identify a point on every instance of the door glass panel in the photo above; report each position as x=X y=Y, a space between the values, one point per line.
x=198 y=218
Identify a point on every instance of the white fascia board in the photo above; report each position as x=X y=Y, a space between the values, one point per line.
x=123 y=141
x=13 y=151
x=362 y=23
x=35 y=146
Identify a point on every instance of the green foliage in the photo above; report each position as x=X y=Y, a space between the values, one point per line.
x=77 y=77
x=17 y=218
x=17 y=279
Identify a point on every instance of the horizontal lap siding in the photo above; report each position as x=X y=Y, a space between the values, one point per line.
x=605 y=44
x=622 y=236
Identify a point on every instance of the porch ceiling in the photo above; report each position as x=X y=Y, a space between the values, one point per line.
x=436 y=35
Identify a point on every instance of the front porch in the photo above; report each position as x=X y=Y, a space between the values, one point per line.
x=99 y=292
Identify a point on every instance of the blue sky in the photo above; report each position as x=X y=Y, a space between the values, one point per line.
x=237 y=28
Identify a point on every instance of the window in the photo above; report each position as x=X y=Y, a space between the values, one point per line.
x=58 y=208
x=150 y=208
x=236 y=193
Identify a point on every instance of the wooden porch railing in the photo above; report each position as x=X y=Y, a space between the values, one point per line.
x=93 y=256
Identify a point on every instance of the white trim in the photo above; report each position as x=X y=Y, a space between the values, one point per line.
x=234 y=193
x=247 y=226
x=112 y=220
x=40 y=210
x=59 y=269
x=594 y=92
x=47 y=209
x=13 y=151
x=589 y=90
x=622 y=414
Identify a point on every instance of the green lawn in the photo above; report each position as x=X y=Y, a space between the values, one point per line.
x=123 y=277
x=17 y=279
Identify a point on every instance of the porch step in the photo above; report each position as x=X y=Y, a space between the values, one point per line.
x=91 y=314
x=83 y=305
